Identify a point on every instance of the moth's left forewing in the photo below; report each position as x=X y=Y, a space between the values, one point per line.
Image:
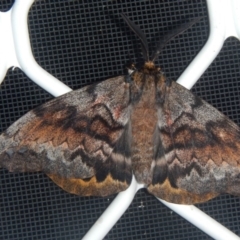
x=77 y=140
x=198 y=151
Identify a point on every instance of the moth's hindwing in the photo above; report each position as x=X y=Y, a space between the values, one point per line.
x=81 y=140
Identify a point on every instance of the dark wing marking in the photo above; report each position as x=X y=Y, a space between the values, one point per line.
x=81 y=140
x=198 y=150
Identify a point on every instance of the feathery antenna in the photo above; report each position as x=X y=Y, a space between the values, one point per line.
x=140 y=35
x=162 y=42
x=171 y=35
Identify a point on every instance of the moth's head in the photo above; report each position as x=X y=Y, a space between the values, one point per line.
x=147 y=67
x=149 y=60
x=150 y=67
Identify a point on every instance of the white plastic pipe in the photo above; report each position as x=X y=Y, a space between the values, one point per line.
x=7 y=50
x=112 y=214
x=202 y=221
x=224 y=18
x=24 y=52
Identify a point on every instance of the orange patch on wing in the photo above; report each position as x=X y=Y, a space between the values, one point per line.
x=89 y=187
x=175 y=195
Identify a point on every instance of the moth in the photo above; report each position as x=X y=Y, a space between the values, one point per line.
x=93 y=140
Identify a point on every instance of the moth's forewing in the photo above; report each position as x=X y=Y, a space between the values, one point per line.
x=200 y=150
x=76 y=139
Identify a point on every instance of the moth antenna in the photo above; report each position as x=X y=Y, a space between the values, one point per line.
x=140 y=34
x=167 y=38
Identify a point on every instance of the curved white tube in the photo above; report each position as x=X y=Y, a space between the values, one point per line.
x=3 y=67
x=24 y=52
x=7 y=50
x=235 y=4
x=112 y=214
x=224 y=17
x=202 y=221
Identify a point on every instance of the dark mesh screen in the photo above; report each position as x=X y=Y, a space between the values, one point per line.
x=81 y=42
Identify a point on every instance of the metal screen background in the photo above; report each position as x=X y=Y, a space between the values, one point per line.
x=81 y=42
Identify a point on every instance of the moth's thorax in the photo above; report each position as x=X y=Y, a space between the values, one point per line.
x=144 y=119
x=146 y=81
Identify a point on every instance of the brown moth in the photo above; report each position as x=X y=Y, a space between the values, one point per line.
x=92 y=140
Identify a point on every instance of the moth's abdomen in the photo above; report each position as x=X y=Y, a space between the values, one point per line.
x=144 y=122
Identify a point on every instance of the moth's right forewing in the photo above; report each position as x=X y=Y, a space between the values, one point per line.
x=198 y=153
